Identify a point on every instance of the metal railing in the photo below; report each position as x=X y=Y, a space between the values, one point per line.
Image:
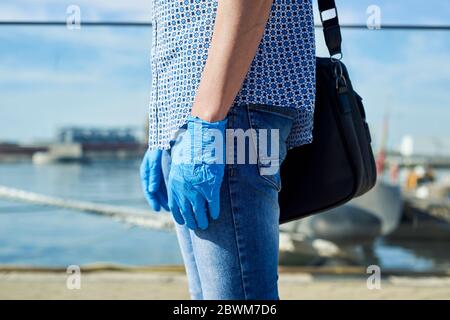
x=148 y=24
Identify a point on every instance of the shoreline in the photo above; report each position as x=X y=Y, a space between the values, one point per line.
x=352 y=271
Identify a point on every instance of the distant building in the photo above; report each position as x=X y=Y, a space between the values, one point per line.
x=103 y=142
x=15 y=152
x=78 y=143
x=98 y=135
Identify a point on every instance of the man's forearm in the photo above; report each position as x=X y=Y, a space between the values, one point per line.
x=238 y=30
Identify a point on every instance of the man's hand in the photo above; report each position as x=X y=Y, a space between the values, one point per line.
x=196 y=173
x=152 y=180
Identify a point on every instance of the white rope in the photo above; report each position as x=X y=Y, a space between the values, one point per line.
x=132 y=216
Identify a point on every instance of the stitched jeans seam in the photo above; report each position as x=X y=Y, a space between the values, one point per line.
x=232 y=208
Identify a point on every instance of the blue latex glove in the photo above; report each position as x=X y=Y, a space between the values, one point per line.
x=196 y=172
x=152 y=180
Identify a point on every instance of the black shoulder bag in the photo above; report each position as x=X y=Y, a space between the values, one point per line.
x=339 y=164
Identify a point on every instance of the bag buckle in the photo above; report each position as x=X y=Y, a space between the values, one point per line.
x=339 y=74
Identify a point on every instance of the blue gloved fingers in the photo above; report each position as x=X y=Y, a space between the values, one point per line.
x=152 y=180
x=199 y=207
x=155 y=204
x=145 y=177
x=214 y=205
x=144 y=171
x=156 y=185
x=175 y=209
x=155 y=179
x=187 y=212
x=162 y=197
x=153 y=201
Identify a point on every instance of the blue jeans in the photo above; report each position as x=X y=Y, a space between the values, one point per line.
x=236 y=257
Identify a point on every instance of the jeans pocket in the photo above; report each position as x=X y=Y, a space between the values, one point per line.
x=272 y=125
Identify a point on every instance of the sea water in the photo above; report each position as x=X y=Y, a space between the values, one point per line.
x=46 y=236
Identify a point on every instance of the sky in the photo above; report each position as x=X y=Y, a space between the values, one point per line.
x=52 y=77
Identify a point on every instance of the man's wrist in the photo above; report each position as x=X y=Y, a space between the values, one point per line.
x=209 y=115
x=209 y=109
x=219 y=124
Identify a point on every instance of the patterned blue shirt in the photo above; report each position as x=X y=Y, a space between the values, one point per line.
x=282 y=72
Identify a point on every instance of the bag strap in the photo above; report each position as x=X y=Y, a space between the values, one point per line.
x=331 y=28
